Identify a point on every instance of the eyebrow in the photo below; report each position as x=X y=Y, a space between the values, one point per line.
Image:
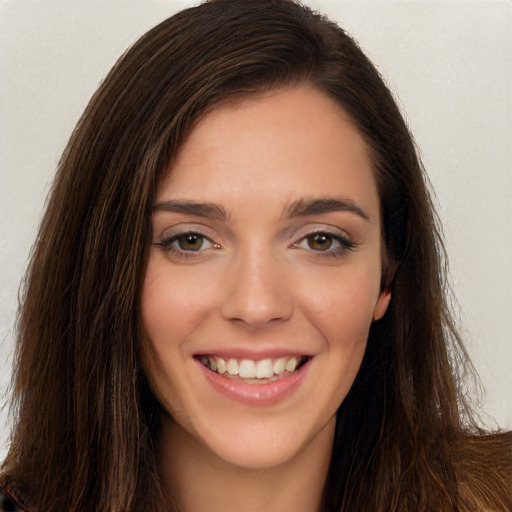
x=300 y=208
x=209 y=210
x=306 y=206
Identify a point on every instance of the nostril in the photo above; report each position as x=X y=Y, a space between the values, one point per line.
x=258 y=310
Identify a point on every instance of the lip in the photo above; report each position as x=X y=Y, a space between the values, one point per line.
x=266 y=394
x=255 y=355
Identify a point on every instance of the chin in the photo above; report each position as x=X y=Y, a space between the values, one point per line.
x=257 y=445
x=254 y=456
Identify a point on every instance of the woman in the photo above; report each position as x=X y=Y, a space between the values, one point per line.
x=238 y=283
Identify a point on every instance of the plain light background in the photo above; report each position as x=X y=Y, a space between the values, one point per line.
x=449 y=63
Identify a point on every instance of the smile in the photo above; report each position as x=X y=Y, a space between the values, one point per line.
x=257 y=371
x=255 y=382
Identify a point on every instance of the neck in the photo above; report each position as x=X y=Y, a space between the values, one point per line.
x=199 y=481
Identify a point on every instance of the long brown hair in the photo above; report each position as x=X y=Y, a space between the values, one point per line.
x=86 y=435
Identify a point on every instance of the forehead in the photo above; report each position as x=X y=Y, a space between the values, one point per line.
x=283 y=145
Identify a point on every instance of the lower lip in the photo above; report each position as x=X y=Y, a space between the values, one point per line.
x=269 y=393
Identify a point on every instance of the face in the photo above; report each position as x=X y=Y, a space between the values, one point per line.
x=263 y=278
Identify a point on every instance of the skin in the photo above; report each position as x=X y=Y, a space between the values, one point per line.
x=258 y=282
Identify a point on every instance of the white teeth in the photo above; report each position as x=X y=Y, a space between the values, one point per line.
x=232 y=367
x=291 y=364
x=264 y=369
x=249 y=369
x=280 y=366
x=221 y=365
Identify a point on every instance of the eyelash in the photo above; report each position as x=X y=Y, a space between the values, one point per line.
x=167 y=244
x=343 y=244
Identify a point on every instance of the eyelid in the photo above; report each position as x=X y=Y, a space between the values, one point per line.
x=337 y=234
x=169 y=240
x=185 y=228
x=171 y=235
x=312 y=228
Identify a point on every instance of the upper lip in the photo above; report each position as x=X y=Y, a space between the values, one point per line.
x=251 y=353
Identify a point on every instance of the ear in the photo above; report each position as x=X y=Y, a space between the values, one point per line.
x=382 y=304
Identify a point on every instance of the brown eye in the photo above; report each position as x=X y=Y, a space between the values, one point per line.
x=320 y=241
x=324 y=243
x=190 y=242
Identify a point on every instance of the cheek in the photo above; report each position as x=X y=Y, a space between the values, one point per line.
x=170 y=308
x=173 y=304
x=343 y=314
x=343 y=307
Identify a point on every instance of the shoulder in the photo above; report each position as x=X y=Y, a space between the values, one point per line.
x=10 y=499
x=484 y=467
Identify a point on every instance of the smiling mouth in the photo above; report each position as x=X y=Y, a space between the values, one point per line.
x=255 y=371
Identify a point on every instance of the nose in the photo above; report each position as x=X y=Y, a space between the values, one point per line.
x=257 y=293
